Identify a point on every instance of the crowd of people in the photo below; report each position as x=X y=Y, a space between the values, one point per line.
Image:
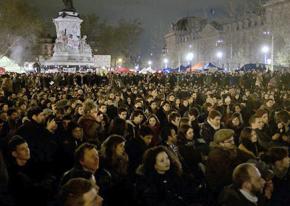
x=146 y=140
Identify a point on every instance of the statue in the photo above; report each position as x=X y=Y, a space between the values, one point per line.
x=84 y=47
x=68 y=5
x=61 y=42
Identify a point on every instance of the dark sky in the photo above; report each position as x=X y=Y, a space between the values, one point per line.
x=155 y=15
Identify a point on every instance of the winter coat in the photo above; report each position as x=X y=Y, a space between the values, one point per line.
x=189 y=153
x=196 y=129
x=39 y=144
x=156 y=140
x=112 y=111
x=75 y=172
x=67 y=147
x=115 y=188
x=162 y=116
x=135 y=149
x=220 y=165
x=281 y=191
x=207 y=132
x=232 y=196
x=26 y=189
x=133 y=130
x=237 y=130
x=264 y=139
x=160 y=190
x=252 y=149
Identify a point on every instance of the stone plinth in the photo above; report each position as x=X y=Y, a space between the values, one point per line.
x=70 y=47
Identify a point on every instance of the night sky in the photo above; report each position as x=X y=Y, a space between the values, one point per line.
x=155 y=15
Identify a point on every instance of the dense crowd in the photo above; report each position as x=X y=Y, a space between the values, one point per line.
x=146 y=140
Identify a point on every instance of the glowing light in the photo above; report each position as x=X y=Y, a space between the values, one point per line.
x=219 y=54
x=265 y=49
x=189 y=56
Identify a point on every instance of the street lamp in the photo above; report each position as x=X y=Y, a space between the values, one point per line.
x=271 y=34
x=219 y=55
x=265 y=50
x=165 y=61
x=149 y=63
x=120 y=61
x=189 y=57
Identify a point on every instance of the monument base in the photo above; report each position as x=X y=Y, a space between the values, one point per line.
x=67 y=63
x=70 y=48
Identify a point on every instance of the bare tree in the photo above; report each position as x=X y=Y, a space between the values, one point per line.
x=236 y=9
x=18 y=23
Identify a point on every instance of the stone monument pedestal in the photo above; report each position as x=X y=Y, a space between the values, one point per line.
x=70 y=48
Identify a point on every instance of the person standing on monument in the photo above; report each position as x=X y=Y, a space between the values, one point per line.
x=68 y=5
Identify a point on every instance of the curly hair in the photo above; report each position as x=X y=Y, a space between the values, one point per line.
x=149 y=160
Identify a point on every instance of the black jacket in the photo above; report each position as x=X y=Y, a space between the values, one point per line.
x=28 y=190
x=281 y=191
x=162 y=116
x=264 y=139
x=133 y=130
x=232 y=196
x=135 y=149
x=115 y=188
x=67 y=147
x=40 y=145
x=160 y=190
x=207 y=132
x=75 y=172
x=221 y=163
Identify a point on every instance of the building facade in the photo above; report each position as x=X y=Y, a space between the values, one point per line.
x=256 y=38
